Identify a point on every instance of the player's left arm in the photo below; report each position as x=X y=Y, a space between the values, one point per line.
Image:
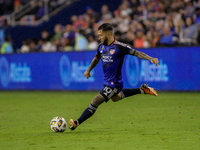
x=126 y=49
x=142 y=55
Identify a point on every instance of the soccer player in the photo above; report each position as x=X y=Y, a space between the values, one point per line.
x=112 y=52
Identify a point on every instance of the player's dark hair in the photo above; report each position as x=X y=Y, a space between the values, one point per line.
x=106 y=27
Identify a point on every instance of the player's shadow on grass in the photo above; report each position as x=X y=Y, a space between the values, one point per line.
x=83 y=131
x=97 y=131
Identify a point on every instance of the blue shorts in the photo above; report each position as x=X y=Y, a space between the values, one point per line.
x=108 y=92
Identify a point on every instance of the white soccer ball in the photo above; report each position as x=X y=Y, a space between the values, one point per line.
x=58 y=124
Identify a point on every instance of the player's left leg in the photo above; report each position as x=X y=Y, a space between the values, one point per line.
x=88 y=112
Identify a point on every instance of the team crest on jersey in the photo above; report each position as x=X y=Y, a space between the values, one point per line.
x=112 y=51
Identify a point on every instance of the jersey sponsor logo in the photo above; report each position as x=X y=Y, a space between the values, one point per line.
x=107 y=59
x=112 y=51
x=14 y=72
x=145 y=71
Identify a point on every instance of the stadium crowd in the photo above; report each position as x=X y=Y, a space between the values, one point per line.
x=140 y=23
x=26 y=12
x=9 y=6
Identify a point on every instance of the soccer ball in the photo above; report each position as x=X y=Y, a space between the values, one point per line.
x=58 y=124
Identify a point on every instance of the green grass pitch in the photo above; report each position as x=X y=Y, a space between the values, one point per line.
x=170 y=121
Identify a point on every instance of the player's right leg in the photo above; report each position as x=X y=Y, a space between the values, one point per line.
x=98 y=100
x=130 y=92
x=126 y=93
x=148 y=90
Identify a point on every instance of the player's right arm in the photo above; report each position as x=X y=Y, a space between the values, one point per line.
x=94 y=62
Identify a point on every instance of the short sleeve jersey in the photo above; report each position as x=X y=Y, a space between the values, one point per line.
x=112 y=58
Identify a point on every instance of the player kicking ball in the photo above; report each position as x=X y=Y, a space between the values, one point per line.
x=112 y=52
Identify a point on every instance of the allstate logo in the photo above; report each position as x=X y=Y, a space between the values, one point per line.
x=132 y=70
x=4 y=71
x=64 y=68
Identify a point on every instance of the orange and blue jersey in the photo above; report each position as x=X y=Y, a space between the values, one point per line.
x=112 y=58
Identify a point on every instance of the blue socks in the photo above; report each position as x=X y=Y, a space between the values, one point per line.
x=129 y=92
x=86 y=114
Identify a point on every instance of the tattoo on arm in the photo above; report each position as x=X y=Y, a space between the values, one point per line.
x=142 y=55
x=93 y=64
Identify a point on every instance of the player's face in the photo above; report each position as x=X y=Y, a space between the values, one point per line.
x=103 y=37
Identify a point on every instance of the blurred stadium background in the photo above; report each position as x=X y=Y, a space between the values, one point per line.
x=48 y=44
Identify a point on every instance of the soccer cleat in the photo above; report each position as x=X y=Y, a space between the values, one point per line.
x=72 y=124
x=148 y=90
